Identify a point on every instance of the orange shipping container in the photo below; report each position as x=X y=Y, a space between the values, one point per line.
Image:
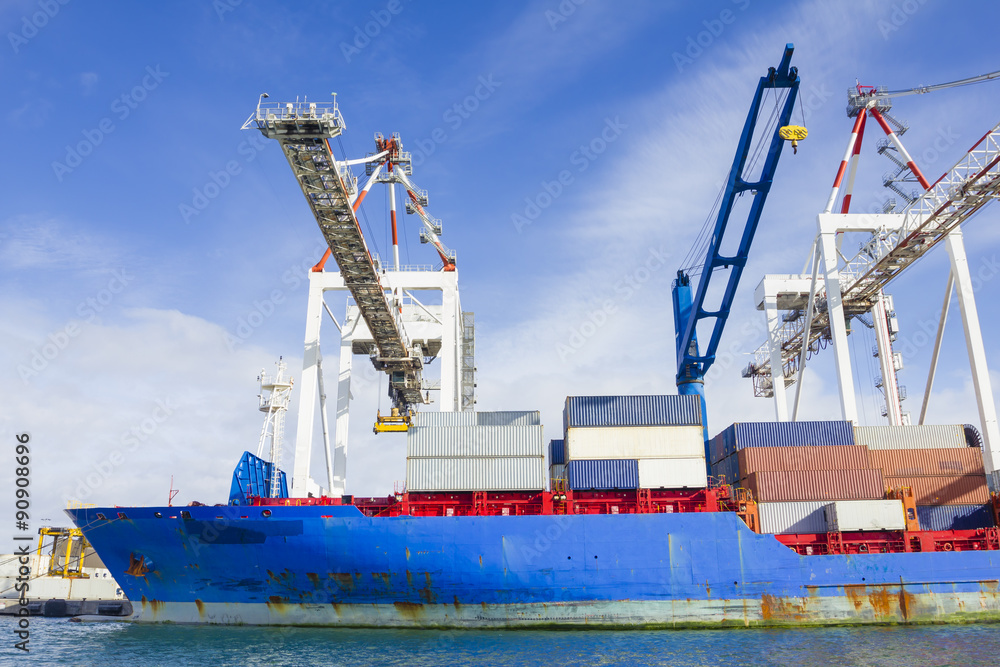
x=916 y=462
x=945 y=490
x=834 y=457
x=801 y=485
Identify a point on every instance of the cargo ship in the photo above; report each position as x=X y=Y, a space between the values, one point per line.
x=634 y=516
x=602 y=548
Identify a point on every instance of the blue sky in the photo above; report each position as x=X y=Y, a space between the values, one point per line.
x=102 y=257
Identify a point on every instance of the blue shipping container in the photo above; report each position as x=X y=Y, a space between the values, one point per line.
x=557 y=452
x=728 y=468
x=603 y=475
x=665 y=410
x=785 y=434
x=954 y=517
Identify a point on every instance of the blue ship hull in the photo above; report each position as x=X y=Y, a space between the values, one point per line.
x=334 y=566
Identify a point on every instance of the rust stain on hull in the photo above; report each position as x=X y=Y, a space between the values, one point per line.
x=343 y=579
x=410 y=610
x=314 y=578
x=201 y=608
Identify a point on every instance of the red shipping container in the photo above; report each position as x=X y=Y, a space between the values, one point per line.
x=945 y=490
x=917 y=462
x=801 y=485
x=835 y=457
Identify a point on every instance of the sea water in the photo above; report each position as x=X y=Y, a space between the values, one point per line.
x=61 y=642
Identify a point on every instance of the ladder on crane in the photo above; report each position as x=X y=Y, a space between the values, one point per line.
x=304 y=130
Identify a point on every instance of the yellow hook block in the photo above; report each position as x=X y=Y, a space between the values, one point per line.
x=793 y=133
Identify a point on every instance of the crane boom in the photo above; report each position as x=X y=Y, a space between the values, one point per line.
x=690 y=309
x=304 y=131
x=969 y=185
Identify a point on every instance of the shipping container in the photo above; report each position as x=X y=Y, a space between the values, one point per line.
x=945 y=490
x=717 y=447
x=557 y=452
x=792 y=517
x=476 y=474
x=507 y=418
x=833 y=457
x=783 y=434
x=661 y=410
x=915 y=462
x=557 y=471
x=954 y=517
x=844 y=516
x=635 y=442
x=727 y=470
x=673 y=473
x=795 y=485
x=603 y=475
x=471 y=441
x=911 y=437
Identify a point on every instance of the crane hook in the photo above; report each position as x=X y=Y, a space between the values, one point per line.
x=795 y=134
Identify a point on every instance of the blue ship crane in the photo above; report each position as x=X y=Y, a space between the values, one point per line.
x=691 y=307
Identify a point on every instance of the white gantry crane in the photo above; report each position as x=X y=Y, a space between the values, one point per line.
x=386 y=321
x=806 y=312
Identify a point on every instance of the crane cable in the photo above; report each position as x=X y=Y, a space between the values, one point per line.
x=702 y=241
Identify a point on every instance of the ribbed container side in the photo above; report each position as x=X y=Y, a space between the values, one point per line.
x=727 y=470
x=665 y=410
x=797 y=485
x=603 y=475
x=792 y=517
x=634 y=442
x=833 y=457
x=914 y=462
x=557 y=471
x=945 y=490
x=486 y=441
x=673 y=473
x=475 y=474
x=786 y=434
x=853 y=515
x=911 y=437
x=507 y=418
x=557 y=452
x=717 y=447
x=954 y=517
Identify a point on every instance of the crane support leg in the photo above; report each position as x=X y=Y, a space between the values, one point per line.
x=938 y=338
x=343 y=406
x=977 y=352
x=890 y=386
x=838 y=327
x=308 y=397
x=777 y=380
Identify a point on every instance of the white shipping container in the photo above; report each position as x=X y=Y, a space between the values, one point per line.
x=525 y=473
x=843 y=516
x=635 y=442
x=469 y=441
x=676 y=473
x=791 y=518
x=910 y=437
x=507 y=418
x=557 y=471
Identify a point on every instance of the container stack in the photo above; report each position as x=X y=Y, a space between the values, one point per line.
x=629 y=442
x=795 y=470
x=557 y=463
x=475 y=451
x=945 y=473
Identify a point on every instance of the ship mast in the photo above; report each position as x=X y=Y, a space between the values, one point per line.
x=275 y=393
